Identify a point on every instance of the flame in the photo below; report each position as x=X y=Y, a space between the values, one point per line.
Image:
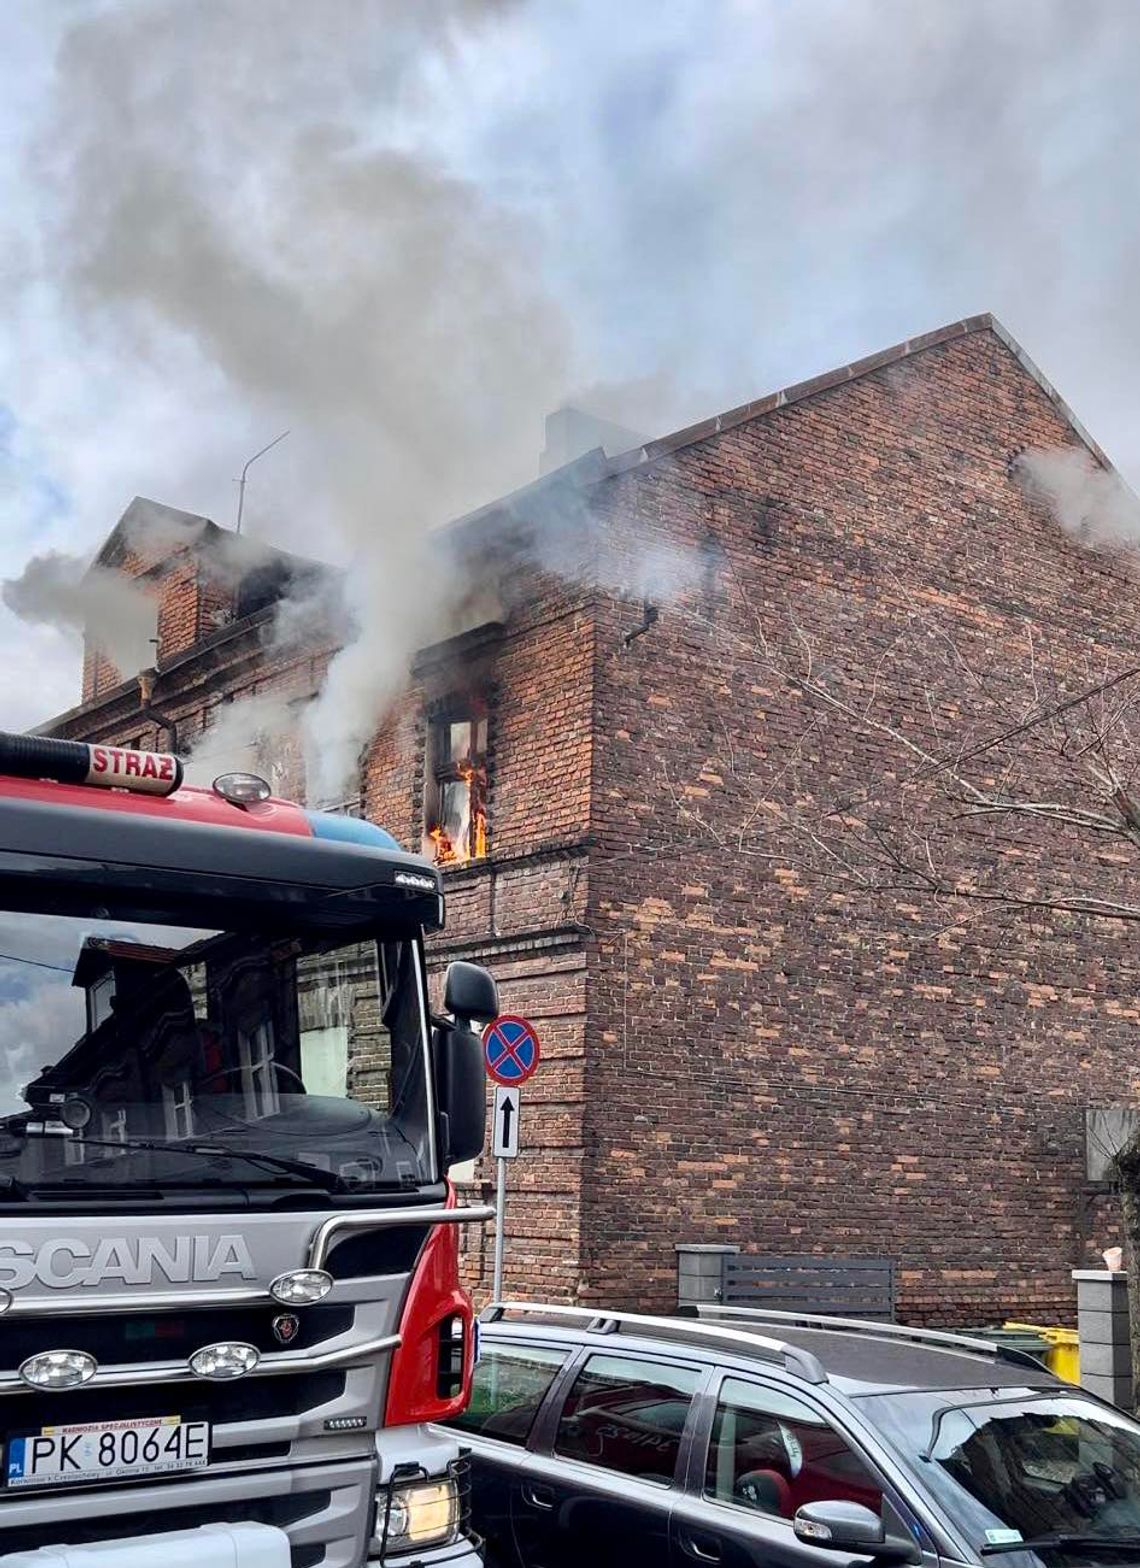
x=476 y=781
x=443 y=851
x=473 y=845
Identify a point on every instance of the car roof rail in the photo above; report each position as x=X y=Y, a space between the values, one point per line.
x=601 y=1320
x=874 y=1329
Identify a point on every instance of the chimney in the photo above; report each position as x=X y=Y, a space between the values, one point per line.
x=571 y=432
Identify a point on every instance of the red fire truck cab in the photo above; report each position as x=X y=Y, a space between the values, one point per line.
x=230 y=1302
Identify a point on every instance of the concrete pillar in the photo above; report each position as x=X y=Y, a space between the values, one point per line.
x=1103 y=1332
x=699 y=1272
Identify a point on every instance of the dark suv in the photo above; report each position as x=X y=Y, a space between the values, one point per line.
x=609 y=1440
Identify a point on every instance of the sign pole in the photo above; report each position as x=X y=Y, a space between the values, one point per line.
x=510 y=1053
x=500 y=1216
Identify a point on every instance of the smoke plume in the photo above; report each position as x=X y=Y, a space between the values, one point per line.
x=352 y=289
x=408 y=231
x=65 y=591
x=1090 y=502
x=245 y=736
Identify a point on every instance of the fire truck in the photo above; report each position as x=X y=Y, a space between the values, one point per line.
x=230 y=1305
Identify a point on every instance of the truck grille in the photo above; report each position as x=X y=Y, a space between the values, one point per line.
x=133 y=1337
x=249 y=1400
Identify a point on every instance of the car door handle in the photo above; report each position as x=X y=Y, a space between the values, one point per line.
x=539 y=1496
x=705 y=1550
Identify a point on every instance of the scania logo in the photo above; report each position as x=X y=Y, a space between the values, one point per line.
x=65 y=1263
x=286 y=1327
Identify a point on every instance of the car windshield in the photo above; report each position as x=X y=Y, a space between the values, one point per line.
x=1009 y=1466
x=136 y=1054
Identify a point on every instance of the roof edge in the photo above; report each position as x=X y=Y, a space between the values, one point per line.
x=1050 y=391
x=592 y=467
x=801 y=391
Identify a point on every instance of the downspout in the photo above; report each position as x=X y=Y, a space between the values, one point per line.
x=147 y=679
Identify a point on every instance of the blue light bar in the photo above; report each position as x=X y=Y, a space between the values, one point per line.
x=349 y=830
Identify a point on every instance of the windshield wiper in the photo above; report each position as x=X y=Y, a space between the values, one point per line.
x=326 y=1180
x=1065 y=1542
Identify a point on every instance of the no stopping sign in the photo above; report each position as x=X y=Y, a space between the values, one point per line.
x=510 y=1050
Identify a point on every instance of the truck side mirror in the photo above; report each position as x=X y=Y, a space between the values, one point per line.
x=470 y=994
x=461 y=1091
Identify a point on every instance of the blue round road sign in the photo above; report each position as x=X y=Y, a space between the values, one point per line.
x=510 y=1050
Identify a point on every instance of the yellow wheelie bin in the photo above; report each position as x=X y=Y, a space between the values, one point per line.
x=1063 y=1357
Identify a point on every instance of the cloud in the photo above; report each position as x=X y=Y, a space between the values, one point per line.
x=408 y=232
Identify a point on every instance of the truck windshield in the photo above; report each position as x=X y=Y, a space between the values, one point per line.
x=1054 y=1471
x=141 y=1055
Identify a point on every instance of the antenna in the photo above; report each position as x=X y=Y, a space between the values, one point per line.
x=241 y=482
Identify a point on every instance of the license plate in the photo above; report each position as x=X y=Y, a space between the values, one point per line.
x=107 y=1451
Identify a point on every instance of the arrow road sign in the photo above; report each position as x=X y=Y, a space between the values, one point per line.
x=505 y=1128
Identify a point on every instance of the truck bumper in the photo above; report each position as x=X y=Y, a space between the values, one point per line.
x=235 y=1545
x=326 y=1507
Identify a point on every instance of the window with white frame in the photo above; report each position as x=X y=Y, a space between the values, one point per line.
x=258 y=1075
x=177 y=1104
x=455 y=784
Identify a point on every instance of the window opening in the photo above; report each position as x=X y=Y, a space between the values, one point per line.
x=772 y=1453
x=115 y=1125
x=456 y=814
x=341 y=806
x=258 y=1071
x=627 y=1416
x=100 y=999
x=508 y=1388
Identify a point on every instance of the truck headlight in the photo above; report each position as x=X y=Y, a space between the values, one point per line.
x=419 y=1513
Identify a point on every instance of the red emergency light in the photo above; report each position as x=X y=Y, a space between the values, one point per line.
x=76 y=762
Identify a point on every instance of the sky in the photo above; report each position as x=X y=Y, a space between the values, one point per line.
x=406 y=233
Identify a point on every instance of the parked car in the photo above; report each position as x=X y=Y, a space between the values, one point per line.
x=610 y=1440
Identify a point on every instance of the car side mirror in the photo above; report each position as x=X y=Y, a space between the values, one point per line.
x=850 y=1527
x=470 y=994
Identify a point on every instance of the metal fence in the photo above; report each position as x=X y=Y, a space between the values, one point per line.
x=841 y=1286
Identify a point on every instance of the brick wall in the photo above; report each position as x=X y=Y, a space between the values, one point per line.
x=522 y=912
x=781 y=1055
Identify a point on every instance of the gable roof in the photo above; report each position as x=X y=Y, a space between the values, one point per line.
x=591 y=468
x=144 y=515
x=800 y=391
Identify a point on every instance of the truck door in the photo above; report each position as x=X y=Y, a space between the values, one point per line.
x=767 y=1452
x=602 y=1492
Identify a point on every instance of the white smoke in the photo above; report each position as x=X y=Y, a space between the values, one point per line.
x=117 y=615
x=245 y=736
x=1089 y=501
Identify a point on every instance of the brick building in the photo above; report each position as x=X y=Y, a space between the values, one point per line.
x=667 y=779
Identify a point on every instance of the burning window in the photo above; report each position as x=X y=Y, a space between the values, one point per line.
x=456 y=787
